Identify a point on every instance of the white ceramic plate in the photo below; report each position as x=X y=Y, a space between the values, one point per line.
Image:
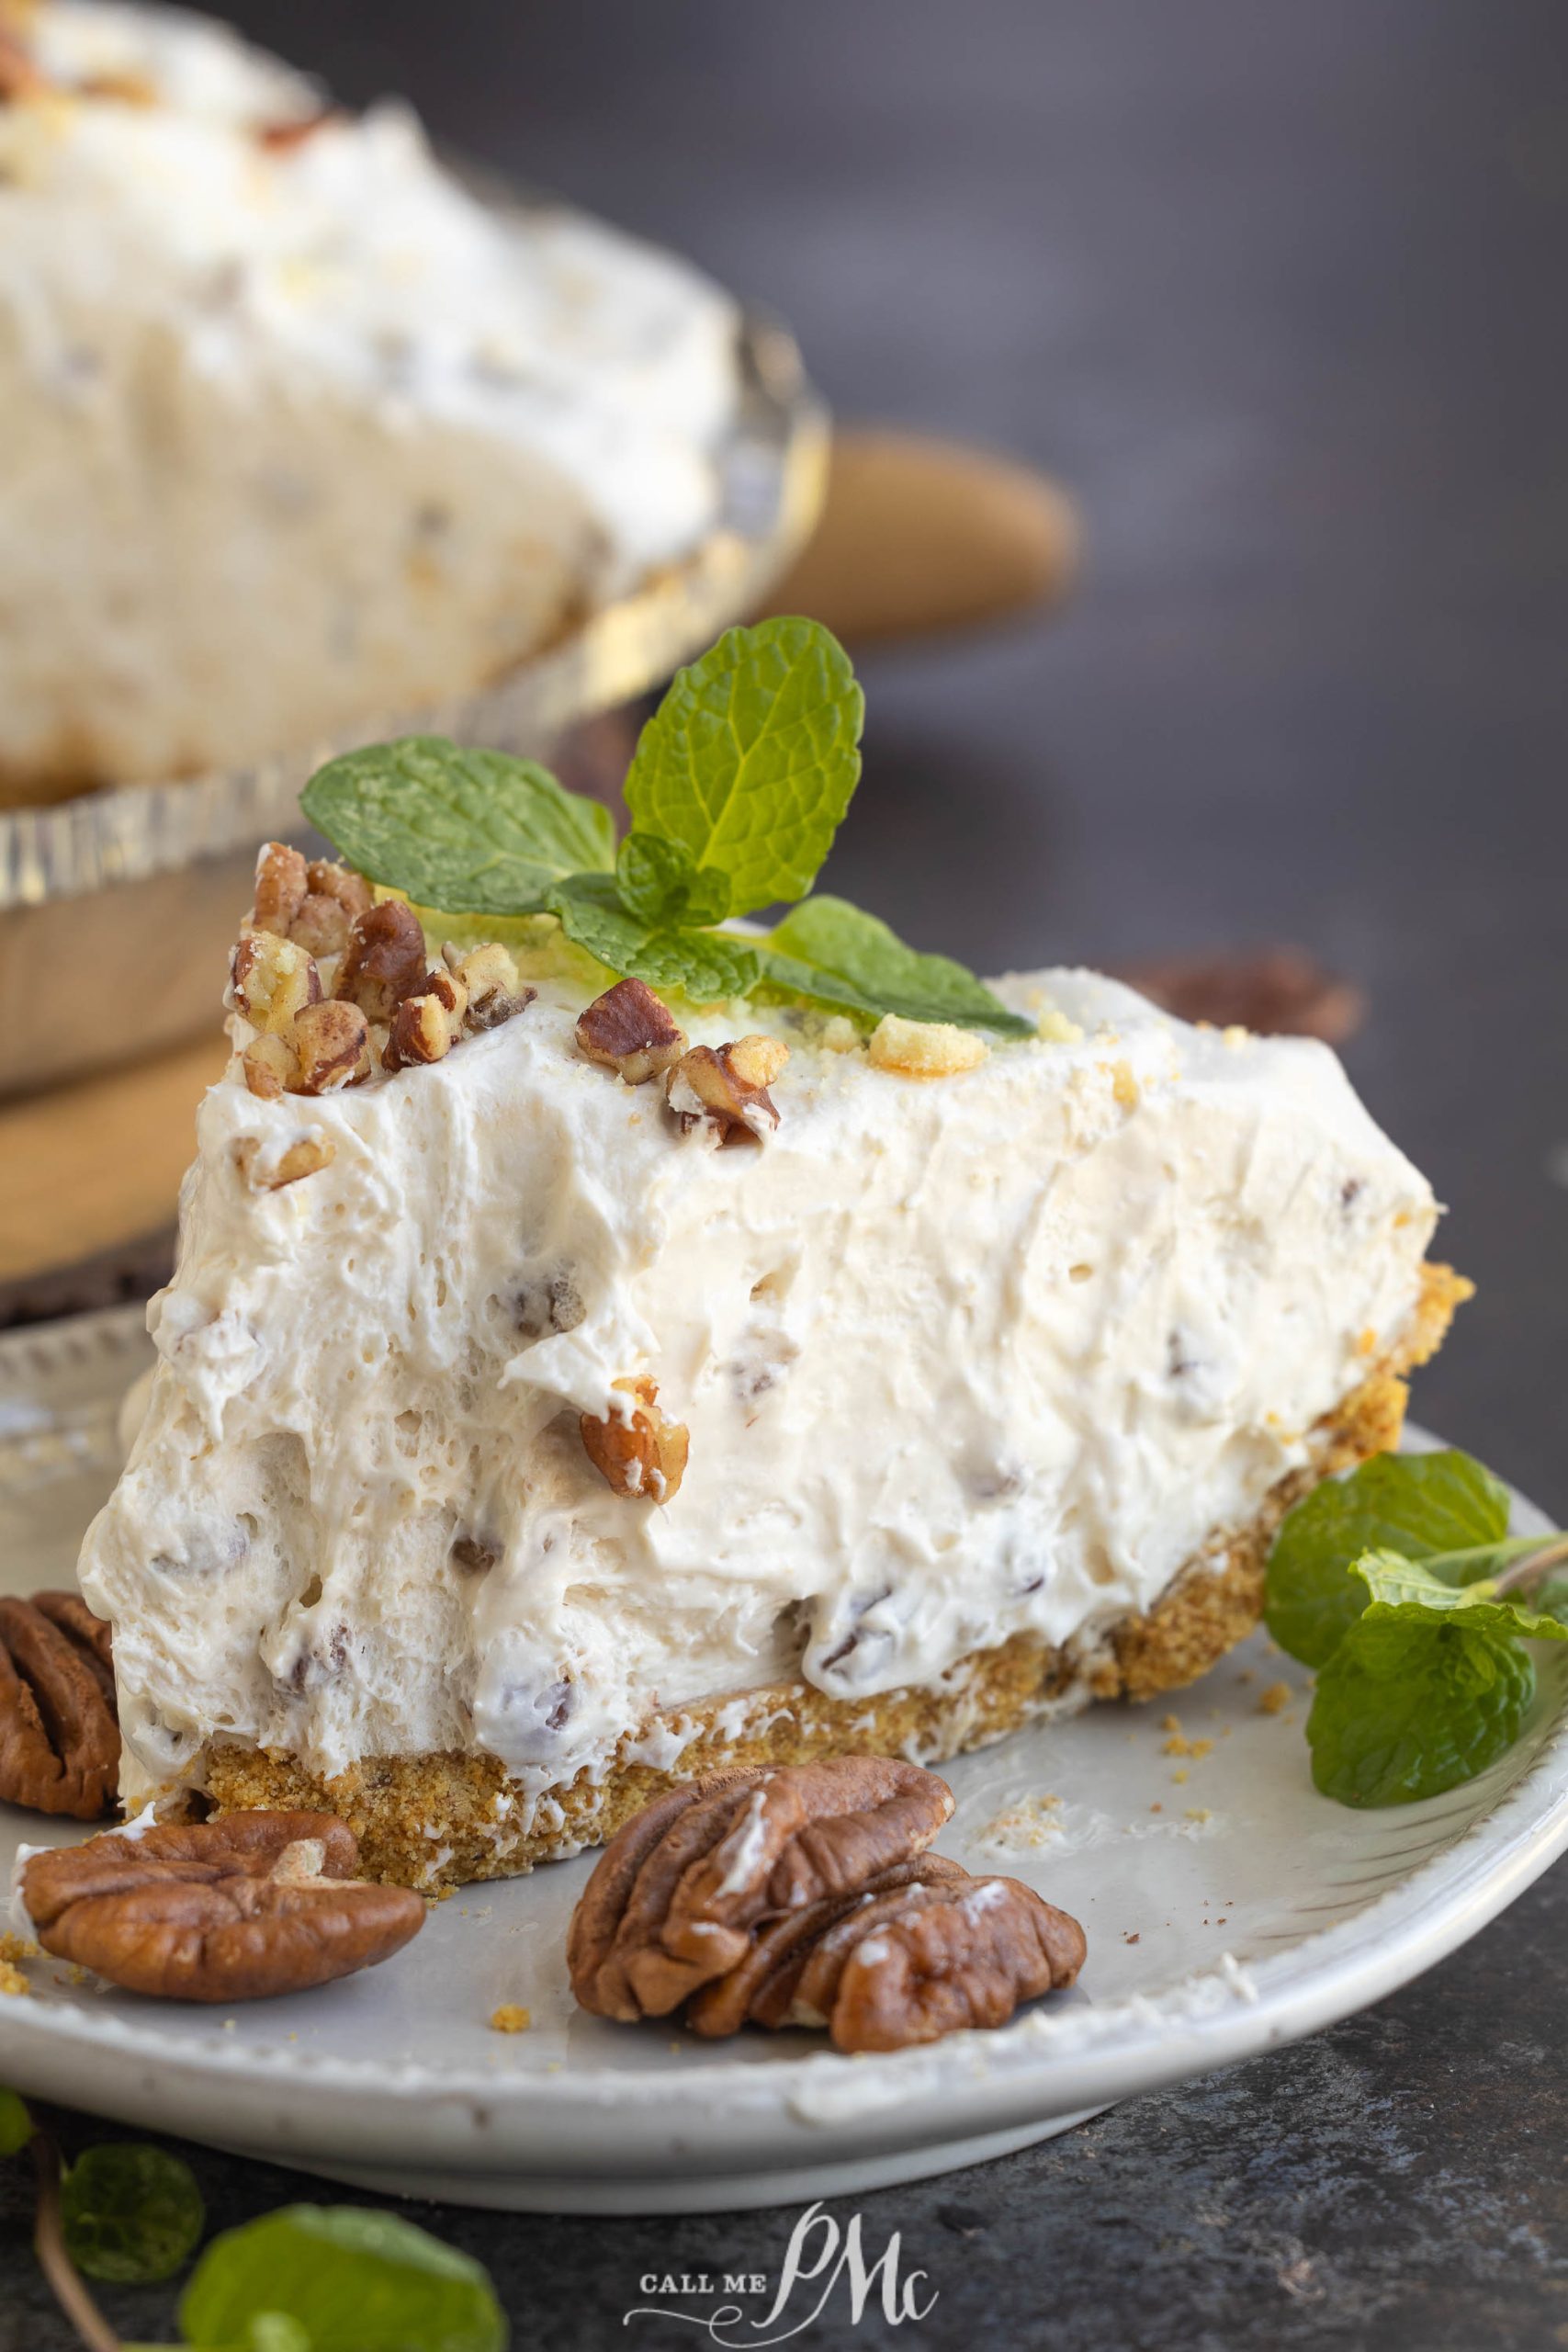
x=1228 y=1908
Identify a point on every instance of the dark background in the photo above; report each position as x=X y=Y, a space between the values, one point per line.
x=1277 y=290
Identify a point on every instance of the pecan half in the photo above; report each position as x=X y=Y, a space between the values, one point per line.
x=1276 y=993
x=384 y=960
x=631 y=1031
x=727 y=1089
x=644 y=1456
x=929 y=1961
x=227 y=1910
x=674 y=1901
x=761 y=1988
x=59 y=1729
x=325 y=879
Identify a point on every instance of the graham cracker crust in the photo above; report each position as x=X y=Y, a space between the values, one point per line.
x=445 y=1819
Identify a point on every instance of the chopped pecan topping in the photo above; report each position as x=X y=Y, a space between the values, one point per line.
x=59 y=1729
x=325 y=879
x=322 y=924
x=490 y=976
x=426 y=1026
x=631 y=1031
x=1277 y=991
x=306 y=1156
x=384 y=960
x=230 y=1910
x=676 y=1898
x=805 y=1897
x=332 y=1042
x=727 y=1090
x=645 y=1455
x=273 y=979
x=925 y=1048
x=271 y=1066
x=281 y=887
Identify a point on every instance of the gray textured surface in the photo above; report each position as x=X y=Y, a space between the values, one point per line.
x=1277 y=289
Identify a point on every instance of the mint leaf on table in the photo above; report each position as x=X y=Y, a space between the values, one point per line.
x=1409 y=1705
x=751 y=758
x=1418 y=1504
x=475 y=833
x=130 y=2213
x=351 y=2281
x=706 y=965
x=846 y=961
x=16 y=2124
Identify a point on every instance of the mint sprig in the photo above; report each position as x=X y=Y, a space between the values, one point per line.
x=751 y=758
x=737 y=786
x=1398 y=1584
x=1418 y=1504
x=839 y=959
x=475 y=833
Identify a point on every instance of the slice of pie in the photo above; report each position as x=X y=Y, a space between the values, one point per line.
x=565 y=1387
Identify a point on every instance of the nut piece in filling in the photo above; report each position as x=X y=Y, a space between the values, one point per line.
x=59 y=1734
x=643 y=1456
x=632 y=1032
x=227 y=1910
x=804 y=1896
x=725 y=1089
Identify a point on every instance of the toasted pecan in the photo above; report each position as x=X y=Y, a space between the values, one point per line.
x=725 y=1089
x=58 y=1728
x=1274 y=991
x=384 y=960
x=926 y=1962
x=674 y=1901
x=234 y=1909
x=632 y=1032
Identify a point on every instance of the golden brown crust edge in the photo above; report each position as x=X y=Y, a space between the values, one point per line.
x=443 y=1820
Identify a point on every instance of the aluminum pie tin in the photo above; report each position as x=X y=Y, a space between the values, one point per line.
x=128 y=898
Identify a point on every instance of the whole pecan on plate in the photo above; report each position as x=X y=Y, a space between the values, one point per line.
x=59 y=1729
x=803 y=1897
x=229 y=1910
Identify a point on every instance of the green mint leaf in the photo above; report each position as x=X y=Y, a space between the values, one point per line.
x=130 y=2213
x=660 y=883
x=1408 y=1706
x=751 y=758
x=1419 y=1504
x=830 y=953
x=351 y=2281
x=1551 y=1597
x=472 y=832
x=652 y=878
x=704 y=965
x=16 y=2124
x=1395 y=1583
